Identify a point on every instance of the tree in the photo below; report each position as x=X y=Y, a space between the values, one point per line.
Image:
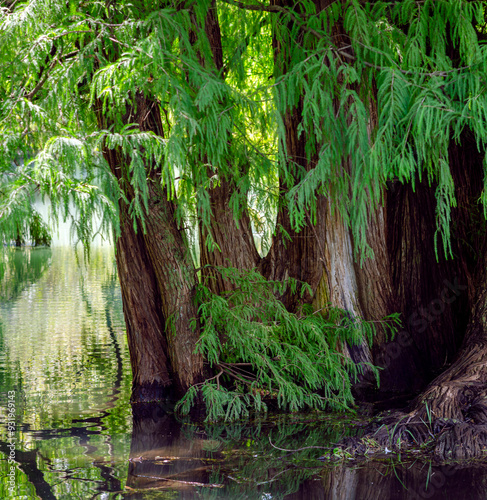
x=358 y=127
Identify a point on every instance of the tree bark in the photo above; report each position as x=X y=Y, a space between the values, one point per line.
x=157 y=278
x=320 y=254
x=452 y=410
x=293 y=254
x=232 y=238
x=142 y=308
x=172 y=265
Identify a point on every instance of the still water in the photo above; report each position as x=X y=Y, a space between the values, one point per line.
x=64 y=391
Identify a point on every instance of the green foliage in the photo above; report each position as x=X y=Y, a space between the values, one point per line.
x=259 y=350
x=39 y=232
x=382 y=102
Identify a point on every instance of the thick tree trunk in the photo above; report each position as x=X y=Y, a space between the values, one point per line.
x=232 y=239
x=171 y=264
x=453 y=408
x=297 y=255
x=151 y=370
x=420 y=283
x=430 y=293
x=375 y=292
x=320 y=254
x=341 y=283
x=157 y=278
x=452 y=411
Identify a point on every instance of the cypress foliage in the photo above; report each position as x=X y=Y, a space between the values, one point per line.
x=57 y=58
x=261 y=351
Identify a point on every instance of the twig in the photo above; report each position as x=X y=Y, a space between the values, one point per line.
x=300 y=449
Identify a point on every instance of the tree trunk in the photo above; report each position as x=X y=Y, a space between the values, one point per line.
x=157 y=278
x=176 y=277
x=142 y=308
x=298 y=255
x=232 y=240
x=172 y=265
x=419 y=281
x=320 y=254
x=452 y=411
x=453 y=408
x=430 y=292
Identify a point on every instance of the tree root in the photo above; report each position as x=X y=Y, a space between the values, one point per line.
x=449 y=417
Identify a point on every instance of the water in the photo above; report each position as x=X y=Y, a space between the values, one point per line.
x=64 y=390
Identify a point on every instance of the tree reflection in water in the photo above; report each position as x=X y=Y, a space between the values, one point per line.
x=239 y=461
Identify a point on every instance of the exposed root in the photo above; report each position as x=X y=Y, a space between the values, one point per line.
x=449 y=418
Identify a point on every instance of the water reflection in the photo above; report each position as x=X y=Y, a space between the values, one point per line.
x=20 y=268
x=416 y=480
x=256 y=461
x=64 y=353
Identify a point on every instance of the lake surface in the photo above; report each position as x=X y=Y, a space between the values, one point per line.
x=68 y=432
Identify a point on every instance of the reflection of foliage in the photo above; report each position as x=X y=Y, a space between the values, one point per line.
x=20 y=268
x=256 y=464
x=62 y=356
x=259 y=349
x=58 y=344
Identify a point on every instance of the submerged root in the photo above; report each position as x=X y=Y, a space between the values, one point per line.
x=450 y=418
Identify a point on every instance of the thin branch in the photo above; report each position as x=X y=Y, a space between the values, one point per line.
x=69 y=32
x=38 y=87
x=274 y=9
x=300 y=449
x=42 y=82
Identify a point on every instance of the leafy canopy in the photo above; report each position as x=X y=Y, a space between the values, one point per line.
x=380 y=102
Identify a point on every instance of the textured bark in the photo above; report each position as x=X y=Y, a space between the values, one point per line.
x=374 y=274
x=453 y=408
x=452 y=411
x=341 y=284
x=321 y=254
x=236 y=247
x=233 y=239
x=143 y=315
x=298 y=255
x=157 y=279
x=142 y=304
x=374 y=278
x=430 y=292
x=172 y=265
x=418 y=282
